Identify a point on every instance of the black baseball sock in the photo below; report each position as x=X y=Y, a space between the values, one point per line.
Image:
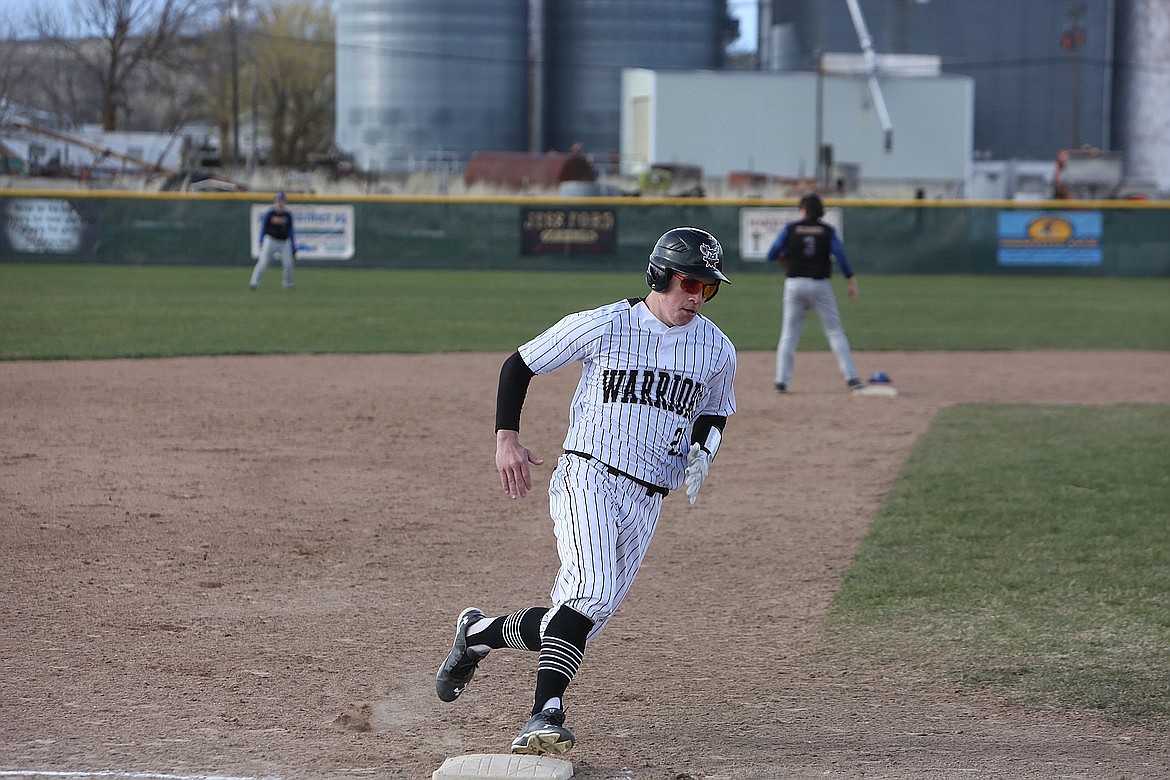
x=561 y=652
x=519 y=631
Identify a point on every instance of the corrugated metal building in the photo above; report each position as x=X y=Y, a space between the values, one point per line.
x=1043 y=74
x=422 y=78
x=418 y=77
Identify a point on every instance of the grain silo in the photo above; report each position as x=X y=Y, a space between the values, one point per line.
x=1142 y=116
x=587 y=43
x=425 y=77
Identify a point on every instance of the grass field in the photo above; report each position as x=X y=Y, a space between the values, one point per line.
x=71 y=312
x=1023 y=547
x=1026 y=548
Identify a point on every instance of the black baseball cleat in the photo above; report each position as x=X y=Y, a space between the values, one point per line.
x=781 y=387
x=544 y=734
x=457 y=671
x=855 y=383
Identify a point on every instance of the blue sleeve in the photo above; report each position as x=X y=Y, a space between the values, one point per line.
x=775 y=250
x=838 y=250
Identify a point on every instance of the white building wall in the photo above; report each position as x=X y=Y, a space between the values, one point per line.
x=767 y=123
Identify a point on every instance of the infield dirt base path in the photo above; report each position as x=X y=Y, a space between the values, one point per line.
x=251 y=567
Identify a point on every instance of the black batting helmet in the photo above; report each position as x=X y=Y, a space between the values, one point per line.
x=688 y=250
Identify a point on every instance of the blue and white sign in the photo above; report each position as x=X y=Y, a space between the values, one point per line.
x=323 y=232
x=1050 y=238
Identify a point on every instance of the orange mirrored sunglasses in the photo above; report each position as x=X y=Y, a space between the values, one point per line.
x=691 y=285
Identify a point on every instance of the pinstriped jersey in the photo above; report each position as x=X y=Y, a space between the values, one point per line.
x=642 y=385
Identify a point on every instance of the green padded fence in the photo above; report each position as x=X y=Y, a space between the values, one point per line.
x=1124 y=238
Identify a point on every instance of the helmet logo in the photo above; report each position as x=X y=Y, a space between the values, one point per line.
x=710 y=255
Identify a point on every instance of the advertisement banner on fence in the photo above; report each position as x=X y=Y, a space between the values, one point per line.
x=568 y=231
x=758 y=228
x=50 y=226
x=1051 y=238
x=323 y=232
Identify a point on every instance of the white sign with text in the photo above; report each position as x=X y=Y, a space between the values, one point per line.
x=323 y=232
x=758 y=228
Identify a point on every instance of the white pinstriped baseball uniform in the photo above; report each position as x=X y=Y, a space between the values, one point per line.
x=642 y=386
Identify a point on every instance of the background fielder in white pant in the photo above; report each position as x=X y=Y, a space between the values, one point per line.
x=806 y=249
x=277 y=236
x=655 y=392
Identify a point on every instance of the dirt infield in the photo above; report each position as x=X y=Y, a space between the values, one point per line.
x=251 y=566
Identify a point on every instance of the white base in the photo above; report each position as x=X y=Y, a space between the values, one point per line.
x=502 y=767
x=878 y=390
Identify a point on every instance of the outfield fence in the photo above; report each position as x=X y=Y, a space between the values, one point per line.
x=1089 y=238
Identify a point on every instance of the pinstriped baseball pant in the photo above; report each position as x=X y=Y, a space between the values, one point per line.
x=603 y=525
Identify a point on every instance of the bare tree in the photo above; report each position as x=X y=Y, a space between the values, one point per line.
x=113 y=42
x=15 y=65
x=294 y=55
x=281 y=83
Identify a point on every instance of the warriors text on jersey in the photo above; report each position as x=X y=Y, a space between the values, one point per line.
x=642 y=385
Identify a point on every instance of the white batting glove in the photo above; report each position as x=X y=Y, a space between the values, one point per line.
x=698 y=464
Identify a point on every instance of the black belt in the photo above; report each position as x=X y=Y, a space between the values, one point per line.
x=651 y=488
x=814 y=278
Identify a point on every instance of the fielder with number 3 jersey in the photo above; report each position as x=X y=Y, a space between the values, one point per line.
x=806 y=249
x=648 y=415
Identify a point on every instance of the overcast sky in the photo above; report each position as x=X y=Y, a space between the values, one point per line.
x=746 y=11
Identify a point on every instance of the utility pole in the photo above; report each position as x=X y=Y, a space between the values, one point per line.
x=252 y=161
x=764 y=53
x=818 y=158
x=234 y=16
x=1072 y=39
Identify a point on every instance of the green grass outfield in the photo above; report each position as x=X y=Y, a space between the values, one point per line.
x=77 y=311
x=1027 y=548
x=1022 y=547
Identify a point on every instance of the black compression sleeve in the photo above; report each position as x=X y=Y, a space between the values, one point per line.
x=514 y=378
x=704 y=424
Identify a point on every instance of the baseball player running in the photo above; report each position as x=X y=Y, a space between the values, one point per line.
x=647 y=416
x=276 y=237
x=806 y=249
